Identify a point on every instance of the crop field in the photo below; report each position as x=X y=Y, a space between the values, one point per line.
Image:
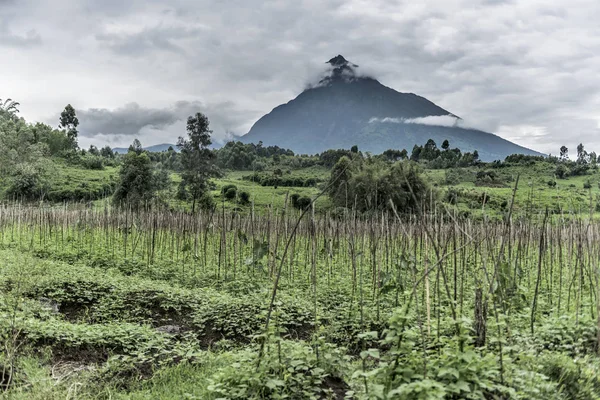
x=288 y=304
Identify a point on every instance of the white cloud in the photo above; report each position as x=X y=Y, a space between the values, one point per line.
x=434 y=120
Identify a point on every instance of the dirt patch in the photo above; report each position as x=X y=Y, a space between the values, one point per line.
x=334 y=386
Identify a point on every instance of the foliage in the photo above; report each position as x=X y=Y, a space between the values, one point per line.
x=28 y=182
x=136 y=186
x=293 y=371
x=197 y=160
x=369 y=185
x=68 y=122
x=278 y=180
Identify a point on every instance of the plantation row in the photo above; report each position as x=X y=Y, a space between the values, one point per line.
x=289 y=304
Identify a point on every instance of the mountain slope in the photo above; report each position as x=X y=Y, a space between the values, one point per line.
x=347 y=109
x=157 y=148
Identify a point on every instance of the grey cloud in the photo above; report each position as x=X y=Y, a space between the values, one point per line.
x=31 y=38
x=122 y=124
x=519 y=69
x=9 y=38
x=126 y=120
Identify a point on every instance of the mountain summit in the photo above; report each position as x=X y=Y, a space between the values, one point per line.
x=347 y=109
x=341 y=70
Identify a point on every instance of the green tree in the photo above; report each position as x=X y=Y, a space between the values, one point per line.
x=338 y=187
x=445 y=145
x=136 y=147
x=9 y=107
x=68 y=121
x=136 y=185
x=197 y=160
x=416 y=153
x=582 y=155
x=107 y=152
x=564 y=152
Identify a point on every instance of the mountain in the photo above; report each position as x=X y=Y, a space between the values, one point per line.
x=157 y=148
x=347 y=109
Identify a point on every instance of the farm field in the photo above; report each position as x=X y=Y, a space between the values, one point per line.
x=98 y=304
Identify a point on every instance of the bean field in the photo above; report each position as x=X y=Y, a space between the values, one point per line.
x=292 y=304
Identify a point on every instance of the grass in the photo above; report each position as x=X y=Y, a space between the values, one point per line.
x=268 y=196
x=533 y=194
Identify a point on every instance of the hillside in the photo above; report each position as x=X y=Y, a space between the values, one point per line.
x=347 y=109
x=157 y=148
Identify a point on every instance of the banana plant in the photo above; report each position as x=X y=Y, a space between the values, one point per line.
x=9 y=106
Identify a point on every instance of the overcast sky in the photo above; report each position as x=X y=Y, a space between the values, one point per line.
x=526 y=70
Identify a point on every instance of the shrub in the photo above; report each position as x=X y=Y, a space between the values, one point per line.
x=294 y=199
x=295 y=371
x=244 y=197
x=587 y=185
x=452 y=196
x=182 y=192
x=225 y=188
x=231 y=193
x=452 y=177
x=26 y=183
x=561 y=171
x=206 y=202
x=303 y=202
x=92 y=162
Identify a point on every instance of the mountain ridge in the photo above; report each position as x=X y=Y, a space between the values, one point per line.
x=347 y=109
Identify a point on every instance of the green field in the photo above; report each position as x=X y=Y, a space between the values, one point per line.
x=100 y=304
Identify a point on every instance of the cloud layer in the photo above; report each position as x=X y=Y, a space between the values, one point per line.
x=526 y=70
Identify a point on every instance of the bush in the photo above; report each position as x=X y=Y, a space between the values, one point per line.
x=561 y=171
x=294 y=199
x=26 y=183
x=92 y=162
x=295 y=371
x=206 y=202
x=452 y=177
x=452 y=196
x=244 y=197
x=182 y=192
x=230 y=193
x=225 y=188
x=303 y=202
x=587 y=185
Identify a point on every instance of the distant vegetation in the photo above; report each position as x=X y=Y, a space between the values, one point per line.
x=252 y=272
x=44 y=163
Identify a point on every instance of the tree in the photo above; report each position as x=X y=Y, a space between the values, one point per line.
x=446 y=145
x=197 y=160
x=581 y=154
x=107 y=152
x=561 y=171
x=136 y=147
x=93 y=150
x=136 y=184
x=9 y=107
x=68 y=121
x=416 y=153
x=354 y=149
x=338 y=187
x=564 y=152
x=593 y=157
